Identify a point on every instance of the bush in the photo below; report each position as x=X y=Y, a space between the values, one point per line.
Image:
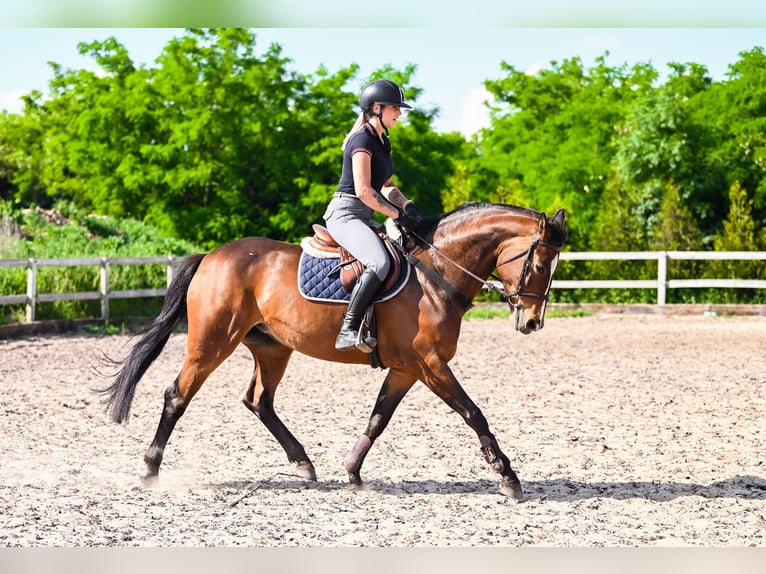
x=66 y=234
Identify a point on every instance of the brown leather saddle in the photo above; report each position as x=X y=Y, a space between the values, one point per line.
x=350 y=267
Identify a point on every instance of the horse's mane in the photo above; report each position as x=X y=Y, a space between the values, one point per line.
x=429 y=224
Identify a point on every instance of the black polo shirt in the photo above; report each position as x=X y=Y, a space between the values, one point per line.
x=366 y=140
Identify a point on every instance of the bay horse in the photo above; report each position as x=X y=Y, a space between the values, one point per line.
x=245 y=292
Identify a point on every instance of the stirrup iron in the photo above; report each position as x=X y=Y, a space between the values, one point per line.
x=365 y=342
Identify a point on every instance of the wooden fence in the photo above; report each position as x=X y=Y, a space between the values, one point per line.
x=31 y=298
x=661 y=284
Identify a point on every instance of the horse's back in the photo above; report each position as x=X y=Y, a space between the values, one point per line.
x=245 y=272
x=250 y=256
x=254 y=282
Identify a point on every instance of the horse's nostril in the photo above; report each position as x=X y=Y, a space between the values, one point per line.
x=533 y=324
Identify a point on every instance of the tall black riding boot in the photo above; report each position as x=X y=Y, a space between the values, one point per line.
x=361 y=295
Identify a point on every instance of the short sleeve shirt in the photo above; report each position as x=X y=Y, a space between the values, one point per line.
x=366 y=140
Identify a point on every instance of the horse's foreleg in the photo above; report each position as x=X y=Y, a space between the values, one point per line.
x=270 y=365
x=447 y=388
x=391 y=393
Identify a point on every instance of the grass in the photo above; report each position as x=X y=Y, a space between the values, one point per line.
x=579 y=312
x=107 y=329
x=480 y=312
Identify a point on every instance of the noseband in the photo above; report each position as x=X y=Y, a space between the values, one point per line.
x=514 y=297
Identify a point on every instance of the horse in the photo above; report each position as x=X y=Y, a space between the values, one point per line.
x=245 y=292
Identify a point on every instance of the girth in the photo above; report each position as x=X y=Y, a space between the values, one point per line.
x=350 y=267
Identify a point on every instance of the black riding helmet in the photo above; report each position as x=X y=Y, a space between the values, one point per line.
x=384 y=92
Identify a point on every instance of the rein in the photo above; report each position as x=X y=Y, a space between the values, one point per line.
x=513 y=298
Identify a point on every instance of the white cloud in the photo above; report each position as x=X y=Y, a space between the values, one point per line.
x=475 y=115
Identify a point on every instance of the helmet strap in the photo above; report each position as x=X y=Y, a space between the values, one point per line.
x=380 y=117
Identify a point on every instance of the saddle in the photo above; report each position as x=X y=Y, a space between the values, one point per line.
x=350 y=267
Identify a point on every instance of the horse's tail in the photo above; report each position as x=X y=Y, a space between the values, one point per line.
x=119 y=395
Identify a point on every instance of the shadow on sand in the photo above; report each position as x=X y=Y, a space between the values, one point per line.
x=556 y=490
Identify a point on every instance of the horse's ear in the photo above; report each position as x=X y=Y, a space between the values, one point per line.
x=557 y=222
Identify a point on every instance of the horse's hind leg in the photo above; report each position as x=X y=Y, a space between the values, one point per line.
x=270 y=363
x=201 y=360
x=395 y=386
x=172 y=411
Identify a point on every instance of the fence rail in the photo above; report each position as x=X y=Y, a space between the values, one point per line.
x=31 y=298
x=661 y=284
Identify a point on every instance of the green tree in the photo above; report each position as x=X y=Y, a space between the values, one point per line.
x=735 y=111
x=553 y=133
x=21 y=157
x=739 y=229
x=212 y=143
x=739 y=233
x=661 y=144
x=677 y=228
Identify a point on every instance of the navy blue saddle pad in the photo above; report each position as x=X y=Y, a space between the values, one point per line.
x=316 y=284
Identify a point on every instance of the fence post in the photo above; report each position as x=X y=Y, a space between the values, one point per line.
x=104 y=288
x=171 y=270
x=662 y=277
x=31 y=289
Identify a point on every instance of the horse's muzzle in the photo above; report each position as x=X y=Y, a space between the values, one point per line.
x=526 y=326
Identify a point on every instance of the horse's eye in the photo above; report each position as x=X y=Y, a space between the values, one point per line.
x=540 y=269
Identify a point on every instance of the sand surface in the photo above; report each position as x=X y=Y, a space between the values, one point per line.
x=625 y=431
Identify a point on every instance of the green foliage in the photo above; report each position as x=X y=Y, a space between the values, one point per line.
x=737 y=111
x=739 y=234
x=49 y=234
x=663 y=143
x=677 y=228
x=221 y=138
x=484 y=312
x=551 y=142
x=554 y=313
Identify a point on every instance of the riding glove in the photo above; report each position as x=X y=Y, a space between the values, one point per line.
x=405 y=222
x=412 y=211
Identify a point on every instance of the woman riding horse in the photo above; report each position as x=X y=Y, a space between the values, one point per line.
x=246 y=293
x=366 y=186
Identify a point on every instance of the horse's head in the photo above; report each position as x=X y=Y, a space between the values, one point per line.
x=527 y=274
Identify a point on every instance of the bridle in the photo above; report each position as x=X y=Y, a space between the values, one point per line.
x=513 y=298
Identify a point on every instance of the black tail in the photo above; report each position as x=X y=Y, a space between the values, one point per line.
x=119 y=395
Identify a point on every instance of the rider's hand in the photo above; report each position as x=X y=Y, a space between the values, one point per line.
x=412 y=211
x=405 y=222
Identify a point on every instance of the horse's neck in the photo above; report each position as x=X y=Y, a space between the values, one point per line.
x=476 y=244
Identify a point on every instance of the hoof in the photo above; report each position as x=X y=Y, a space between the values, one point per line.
x=512 y=489
x=149 y=480
x=306 y=471
x=355 y=486
x=355 y=480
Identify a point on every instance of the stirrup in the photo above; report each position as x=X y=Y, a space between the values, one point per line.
x=365 y=342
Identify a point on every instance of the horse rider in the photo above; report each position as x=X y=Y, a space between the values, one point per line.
x=365 y=187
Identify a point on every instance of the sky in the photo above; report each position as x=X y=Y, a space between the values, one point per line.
x=452 y=62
